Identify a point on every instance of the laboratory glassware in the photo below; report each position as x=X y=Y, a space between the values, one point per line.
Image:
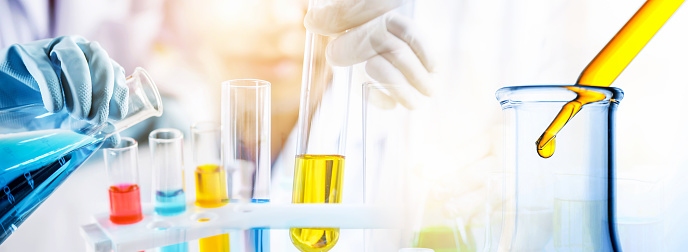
x=640 y=212
x=40 y=149
x=565 y=202
x=122 y=167
x=610 y=62
x=246 y=152
x=166 y=146
x=387 y=183
x=321 y=137
x=211 y=180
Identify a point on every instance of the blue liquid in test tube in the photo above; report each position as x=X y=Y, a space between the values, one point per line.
x=169 y=203
x=180 y=247
x=168 y=177
x=260 y=237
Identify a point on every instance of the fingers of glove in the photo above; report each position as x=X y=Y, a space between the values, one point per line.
x=329 y=17
x=38 y=64
x=70 y=63
x=403 y=28
x=386 y=36
x=112 y=141
x=383 y=71
x=119 y=104
x=102 y=79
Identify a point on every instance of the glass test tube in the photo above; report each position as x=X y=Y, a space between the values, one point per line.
x=168 y=171
x=121 y=164
x=246 y=151
x=211 y=181
x=321 y=139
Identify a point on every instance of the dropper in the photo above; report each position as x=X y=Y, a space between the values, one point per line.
x=609 y=63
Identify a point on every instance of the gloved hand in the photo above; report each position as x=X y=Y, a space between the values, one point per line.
x=66 y=72
x=394 y=50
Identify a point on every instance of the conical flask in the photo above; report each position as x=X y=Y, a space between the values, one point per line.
x=561 y=203
x=39 y=149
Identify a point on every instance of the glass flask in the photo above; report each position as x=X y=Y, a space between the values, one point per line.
x=564 y=202
x=40 y=149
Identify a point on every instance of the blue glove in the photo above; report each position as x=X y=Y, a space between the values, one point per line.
x=67 y=72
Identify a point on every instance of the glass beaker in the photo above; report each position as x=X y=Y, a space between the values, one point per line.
x=565 y=202
x=40 y=149
x=122 y=166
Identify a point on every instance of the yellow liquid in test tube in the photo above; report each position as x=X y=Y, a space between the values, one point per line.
x=211 y=186
x=317 y=179
x=211 y=191
x=609 y=63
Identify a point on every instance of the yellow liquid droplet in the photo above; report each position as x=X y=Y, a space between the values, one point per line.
x=609 y=63
x=547 y=149
x=317 y=179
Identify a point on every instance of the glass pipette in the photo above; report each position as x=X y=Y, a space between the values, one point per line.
x=609 y=63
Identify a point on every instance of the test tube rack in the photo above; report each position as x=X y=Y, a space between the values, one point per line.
x=158 y=231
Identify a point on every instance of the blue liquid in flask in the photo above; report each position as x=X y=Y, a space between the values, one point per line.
x=32 y=166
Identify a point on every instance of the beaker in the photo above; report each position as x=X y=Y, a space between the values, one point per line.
x=564 y=202
x=246 y=152
x=320 y=139
x=166 y=146
x=40 y=149
x=122 y=167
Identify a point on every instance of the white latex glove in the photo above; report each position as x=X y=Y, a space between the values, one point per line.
x=393 y=48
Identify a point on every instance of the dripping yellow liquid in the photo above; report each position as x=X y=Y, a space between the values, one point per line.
x=610 y=62
x=317 y=179
x=211 y=191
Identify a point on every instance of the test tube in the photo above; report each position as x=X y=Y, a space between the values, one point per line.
x=246 y=152
x=168 y=171
x=121 y=164
x=211 y=181
x=321 y=136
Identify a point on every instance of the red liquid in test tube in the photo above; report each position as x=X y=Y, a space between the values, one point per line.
x=125 y=204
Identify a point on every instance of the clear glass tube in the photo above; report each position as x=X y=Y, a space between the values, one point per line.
x=211 y=180
x=246 y=138
x=121 y=164
x=166 y=146
x=321 y=138
x=246 y=151
x=387 y=177
x=564 y=202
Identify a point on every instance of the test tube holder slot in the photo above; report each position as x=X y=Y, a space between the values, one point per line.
x=157 y=231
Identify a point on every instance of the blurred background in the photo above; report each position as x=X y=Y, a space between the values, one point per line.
x=453 y=142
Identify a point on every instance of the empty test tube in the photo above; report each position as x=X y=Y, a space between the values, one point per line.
x=246 y=152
